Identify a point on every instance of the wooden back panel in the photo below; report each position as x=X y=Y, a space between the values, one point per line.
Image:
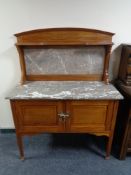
x=64 y=37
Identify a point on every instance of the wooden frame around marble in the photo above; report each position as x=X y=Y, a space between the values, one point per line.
x=64 y=37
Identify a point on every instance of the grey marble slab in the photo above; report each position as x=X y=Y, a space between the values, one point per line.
x=65 y=90
x=78 y=60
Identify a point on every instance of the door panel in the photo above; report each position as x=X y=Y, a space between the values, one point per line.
x=41 y=115
x=88 y=116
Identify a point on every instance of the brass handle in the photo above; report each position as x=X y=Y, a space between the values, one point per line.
x=63 y=116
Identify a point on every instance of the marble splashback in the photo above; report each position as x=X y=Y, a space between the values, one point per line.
x=71 y=60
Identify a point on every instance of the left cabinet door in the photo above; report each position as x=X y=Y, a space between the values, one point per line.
x=35 y=116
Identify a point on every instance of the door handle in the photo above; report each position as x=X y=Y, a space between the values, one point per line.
x=63 y=116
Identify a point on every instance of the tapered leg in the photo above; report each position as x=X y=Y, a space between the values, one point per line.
x=108 y=148
x=20 y=146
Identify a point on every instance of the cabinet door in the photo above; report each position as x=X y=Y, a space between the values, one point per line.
x=89 y=116
x=37 y=116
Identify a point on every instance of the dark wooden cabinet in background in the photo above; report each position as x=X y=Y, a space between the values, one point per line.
x=123 y=129
x=125 y=65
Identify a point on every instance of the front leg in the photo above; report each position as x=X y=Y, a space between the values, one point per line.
x=20 y=145
x=108 y=147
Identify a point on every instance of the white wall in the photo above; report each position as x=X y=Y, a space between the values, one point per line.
x=20 y=15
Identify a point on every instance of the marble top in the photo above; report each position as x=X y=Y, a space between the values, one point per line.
x=79 y=90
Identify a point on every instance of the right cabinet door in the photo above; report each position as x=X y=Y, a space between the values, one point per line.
x=89 y=116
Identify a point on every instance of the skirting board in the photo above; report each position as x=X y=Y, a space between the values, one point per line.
x=6 y=131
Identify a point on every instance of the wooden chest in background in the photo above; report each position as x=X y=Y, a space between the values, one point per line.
x=123 y=83
x=125 y=65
